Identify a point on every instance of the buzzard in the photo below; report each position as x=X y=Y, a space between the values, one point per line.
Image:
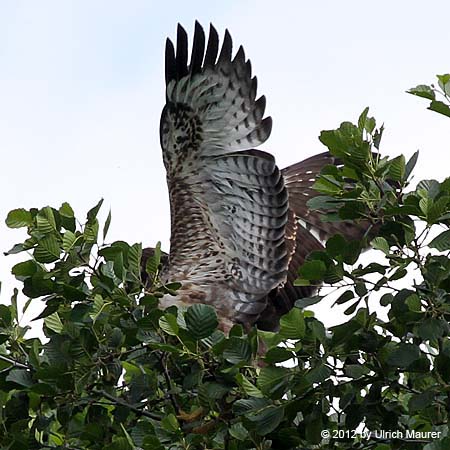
x=240 y=226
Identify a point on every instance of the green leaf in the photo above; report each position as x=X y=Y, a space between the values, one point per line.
x=386 y=299
x=116 y=338
x=355 y=370
x=20 y=376
x=120 y=443
x=170 y=423
x=411 y=164
x=238 y=351
x=419 y=402
x=444 y=82
x=68 y=242
x=336 y=245
x=345 y=297
x=370 y=268
x=351 y=309
x=134 y=259
x=215 y=390
x=423 y=91
x=201 y=320
x=267 y=419
x=47 y=250
x=245 y=406
x=292 y=325
x=398 y=274
x=238 y=431
x=24 y=269
x=428 y=188
x=169 y=324
x=322 y=203
x=45 y=220
x=439 y=107
x=397 y=168
x=18 y=218
x=54 y=323
x=142 y=386
x=91 y=231
x=318 y=374
x=366 y=123
x=327 y=184
x=312 y=270
x=17 y=248
x=248 y=387
x=403 y=355
x=360 y=288
x=441 y=242
x=377 y=137
x=352 y=210
x=5 y=316
x=431 y=328
x=362 y=119
x=380 y=243
x=153 y=262
x=92 y=213
x=66 y=210
x=277 y=355
x=316 y=329
x=67 y=217
x=308 y=301
x=107 y=224
x=128 y=437
x=302 y=282
x=48 y=310
x=273 y=380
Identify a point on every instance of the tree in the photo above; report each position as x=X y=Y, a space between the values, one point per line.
x=115 y=372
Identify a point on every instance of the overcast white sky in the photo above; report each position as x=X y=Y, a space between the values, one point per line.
x=81 y=90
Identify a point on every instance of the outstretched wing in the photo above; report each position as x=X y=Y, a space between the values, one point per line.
x=229 y=205
x=308 y=231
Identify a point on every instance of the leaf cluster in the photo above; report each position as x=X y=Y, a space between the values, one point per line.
x=114 y=371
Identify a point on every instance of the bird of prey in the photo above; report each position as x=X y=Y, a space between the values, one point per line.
x=240 y=226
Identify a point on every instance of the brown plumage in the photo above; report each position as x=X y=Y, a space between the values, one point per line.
x=240 y=227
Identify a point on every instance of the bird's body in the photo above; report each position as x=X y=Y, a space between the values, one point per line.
x=236 y=240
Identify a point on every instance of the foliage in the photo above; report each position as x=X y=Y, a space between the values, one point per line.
x=115 y=372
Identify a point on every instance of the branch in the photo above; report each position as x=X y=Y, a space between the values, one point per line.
x=15 y=363
x=119 y=401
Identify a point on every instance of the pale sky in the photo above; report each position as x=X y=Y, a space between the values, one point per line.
x=82 y=87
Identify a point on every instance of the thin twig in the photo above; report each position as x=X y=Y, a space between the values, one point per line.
x=119 y=401
x=169 y=385
x=14 y=362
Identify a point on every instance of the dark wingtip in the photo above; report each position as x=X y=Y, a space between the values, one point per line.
x=212 y=47
x=181 y=53
x=227 y=48
x=213 y=31
x=170 y=71
x=198 y=49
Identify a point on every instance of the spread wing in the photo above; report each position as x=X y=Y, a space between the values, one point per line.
x=229 y=205
x=303 y=227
